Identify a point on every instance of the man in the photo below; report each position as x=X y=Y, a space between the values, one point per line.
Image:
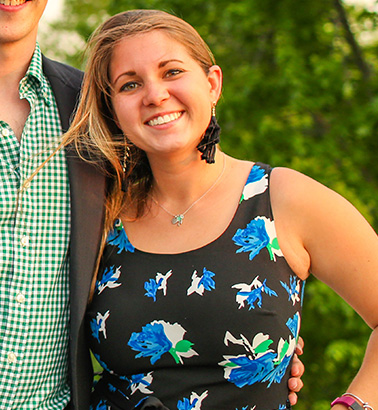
x=42 y=364
x=35 y=218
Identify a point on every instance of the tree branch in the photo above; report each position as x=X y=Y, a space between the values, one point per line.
x=356 y=50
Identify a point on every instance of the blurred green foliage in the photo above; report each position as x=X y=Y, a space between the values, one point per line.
x=300 y=90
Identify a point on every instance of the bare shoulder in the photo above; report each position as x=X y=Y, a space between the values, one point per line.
x=320 y=231
x=297 y=193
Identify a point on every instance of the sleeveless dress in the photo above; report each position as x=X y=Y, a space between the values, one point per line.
x=209 y=329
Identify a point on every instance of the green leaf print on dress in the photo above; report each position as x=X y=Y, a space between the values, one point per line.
x=260 y=363
x=260 y=233
x=161 y=337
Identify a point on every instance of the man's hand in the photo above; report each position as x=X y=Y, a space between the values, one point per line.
x=297 y=369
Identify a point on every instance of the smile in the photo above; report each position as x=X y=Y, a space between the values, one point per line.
x=164 y=119
x=12 y=2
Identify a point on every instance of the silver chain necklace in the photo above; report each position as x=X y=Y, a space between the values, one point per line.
x=178 y=218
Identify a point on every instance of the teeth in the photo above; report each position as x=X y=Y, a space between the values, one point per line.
x=12 y=2
x=164 y=119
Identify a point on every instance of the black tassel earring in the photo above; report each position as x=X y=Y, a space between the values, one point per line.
x=210 y=139
x=126 y=156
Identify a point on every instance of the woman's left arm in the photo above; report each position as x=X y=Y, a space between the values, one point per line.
x=321 y=233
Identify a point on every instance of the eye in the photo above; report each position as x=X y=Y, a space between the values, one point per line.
x=129 y=86
x=173 y=72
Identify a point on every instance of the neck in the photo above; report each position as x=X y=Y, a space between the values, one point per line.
x=178 y=184
x=14 y=61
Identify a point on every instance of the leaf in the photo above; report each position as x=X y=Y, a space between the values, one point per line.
x=264 y=346
x=183 y=346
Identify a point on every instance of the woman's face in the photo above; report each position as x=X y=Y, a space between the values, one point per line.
x=161 y=96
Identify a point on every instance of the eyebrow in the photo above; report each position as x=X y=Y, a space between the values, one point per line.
x=161 y=65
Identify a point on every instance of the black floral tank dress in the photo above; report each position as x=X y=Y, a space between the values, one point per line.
x=210 y=329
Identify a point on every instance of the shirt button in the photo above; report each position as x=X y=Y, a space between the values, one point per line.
x=5 y=132
x=25 y=241
x=12 y=358
x=20 y=298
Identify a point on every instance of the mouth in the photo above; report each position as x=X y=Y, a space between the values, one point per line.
x=164 y=119
x=12 y=2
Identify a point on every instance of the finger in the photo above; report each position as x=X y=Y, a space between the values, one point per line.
x=295 y=384
x=293 y=398
x=300 y=346
x=297 y=367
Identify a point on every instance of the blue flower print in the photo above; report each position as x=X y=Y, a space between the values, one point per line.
x=194 y=403
x=151 y=287
x=141 y=382
x=260 y=363
x=160 y=337
x=117 y=237
x=260 y=233
x=243 y=371
x=293 y=290
x=201 y=283
x=150 y=342
x=285 y=351
x=100 y=406
x=256 y=184
x=112 y=388
x=108 y=279
x=252 y=293
x=294 y=324
x=185 y=404
x=276 y=375
x=302 y=293
x=247 y=369
x=159 y=283
x=247 y=408
x=98 y=325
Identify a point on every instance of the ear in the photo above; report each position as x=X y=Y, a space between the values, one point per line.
x=215 y=78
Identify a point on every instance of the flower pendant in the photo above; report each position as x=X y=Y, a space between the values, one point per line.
x=177 y=219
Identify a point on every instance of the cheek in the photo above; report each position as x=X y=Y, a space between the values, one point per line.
x=121 y=115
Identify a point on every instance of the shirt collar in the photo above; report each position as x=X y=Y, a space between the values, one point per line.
x=35 y=79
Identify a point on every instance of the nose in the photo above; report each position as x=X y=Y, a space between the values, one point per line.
x=156 y=93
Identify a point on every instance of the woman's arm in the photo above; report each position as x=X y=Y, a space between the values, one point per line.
x=322 y=233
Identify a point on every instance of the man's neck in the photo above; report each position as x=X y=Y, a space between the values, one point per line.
x=14 y=62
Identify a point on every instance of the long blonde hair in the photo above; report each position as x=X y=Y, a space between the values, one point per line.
x=94 y=131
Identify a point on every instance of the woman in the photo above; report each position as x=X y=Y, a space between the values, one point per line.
x=197 y=301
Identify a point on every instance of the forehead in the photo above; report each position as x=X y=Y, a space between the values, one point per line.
x=150 y=47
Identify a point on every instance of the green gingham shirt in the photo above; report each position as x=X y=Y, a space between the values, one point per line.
x=35 y=227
